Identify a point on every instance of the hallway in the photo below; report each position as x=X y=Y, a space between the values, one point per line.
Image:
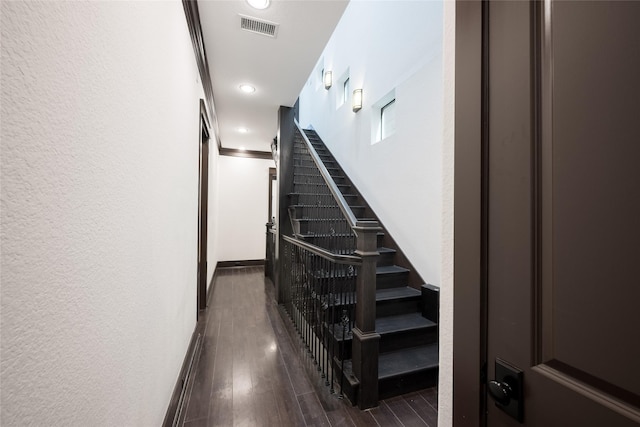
x=251 y=373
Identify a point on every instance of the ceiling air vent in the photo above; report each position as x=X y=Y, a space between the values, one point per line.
x=259 y=26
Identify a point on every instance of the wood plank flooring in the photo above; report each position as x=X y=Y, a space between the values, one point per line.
x=250 y=372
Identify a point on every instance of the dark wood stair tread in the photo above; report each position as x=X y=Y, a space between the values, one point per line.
x=295 y=193
x=383 y=251
x=391 y=325
x=407 y=361
x=323 y=207
x=390 y=269
x=318 y=219
x=396 y=293
x=402 y=323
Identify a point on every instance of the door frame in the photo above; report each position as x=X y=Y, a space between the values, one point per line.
x=203 y=206
x=273 y=176
x=470 y=232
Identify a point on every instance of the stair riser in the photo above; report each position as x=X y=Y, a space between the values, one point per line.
x=318 y=145
x=302 y=182
x=306 y=178
x=390 y=387
x=308 y=211
x=321 y=151
x=412 y=338
x=308 y=162
x=386 y=281
x=311 y=169
x=393 y=307
x=310 y=190
x=303 y=154
x=302 y=149
x=388 y=342
x=313 y=199
x=385 y=259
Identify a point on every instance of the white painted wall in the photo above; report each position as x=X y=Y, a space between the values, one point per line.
x=213 y=211
x=386 y=46
x=100 y=107
x=243 y=205
x=445 y=379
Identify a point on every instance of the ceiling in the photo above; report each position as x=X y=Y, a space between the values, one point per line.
x=277 y=67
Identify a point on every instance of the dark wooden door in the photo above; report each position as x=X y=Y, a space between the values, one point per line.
x=563 y=209
x=203 y=212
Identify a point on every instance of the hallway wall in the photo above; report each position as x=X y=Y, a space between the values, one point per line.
x=390 y=50
x=100 y=106
x=214 y=212
x=243 y=206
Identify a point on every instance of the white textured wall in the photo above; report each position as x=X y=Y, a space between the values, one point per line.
x=389 y=45
x=243 y=207
x=212 y=246
x=445 y=383
x=100 y=105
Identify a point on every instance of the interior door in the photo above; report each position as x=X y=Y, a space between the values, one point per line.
x=203 y=209
x=563 y=212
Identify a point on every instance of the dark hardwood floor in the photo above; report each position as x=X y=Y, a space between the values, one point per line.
x=250 y=372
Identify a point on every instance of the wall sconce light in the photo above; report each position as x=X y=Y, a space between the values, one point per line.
x=356 y=100
x=328 y=79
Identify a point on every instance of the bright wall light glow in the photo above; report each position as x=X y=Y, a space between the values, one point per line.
x=258 y=4
x=243 y=130
x=328 y=79
x=356 y=100
x=247 y=88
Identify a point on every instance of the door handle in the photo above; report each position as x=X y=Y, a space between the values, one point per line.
x=507 y=389
x=501 y=392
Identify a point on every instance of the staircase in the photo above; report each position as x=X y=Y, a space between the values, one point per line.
x=406 y=309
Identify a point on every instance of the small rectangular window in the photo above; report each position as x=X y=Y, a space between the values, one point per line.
x=345 y=92
x=388 y=119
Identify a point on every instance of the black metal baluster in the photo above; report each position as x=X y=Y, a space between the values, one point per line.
x=309 y=282
x=318 y=318
x=332 y=337
x=314 y=302
x=344 y=321
x=299 y=301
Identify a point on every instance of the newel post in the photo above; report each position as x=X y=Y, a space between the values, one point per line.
x=284 y=170
x=365 y=339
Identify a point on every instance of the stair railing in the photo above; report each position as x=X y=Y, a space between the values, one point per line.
x=320 y=298
x=365 y=343
x=335 y=191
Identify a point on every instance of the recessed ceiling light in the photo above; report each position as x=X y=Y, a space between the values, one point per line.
x=242 y=149
x=247 y=88
x=258 y=4
x=243 y=130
